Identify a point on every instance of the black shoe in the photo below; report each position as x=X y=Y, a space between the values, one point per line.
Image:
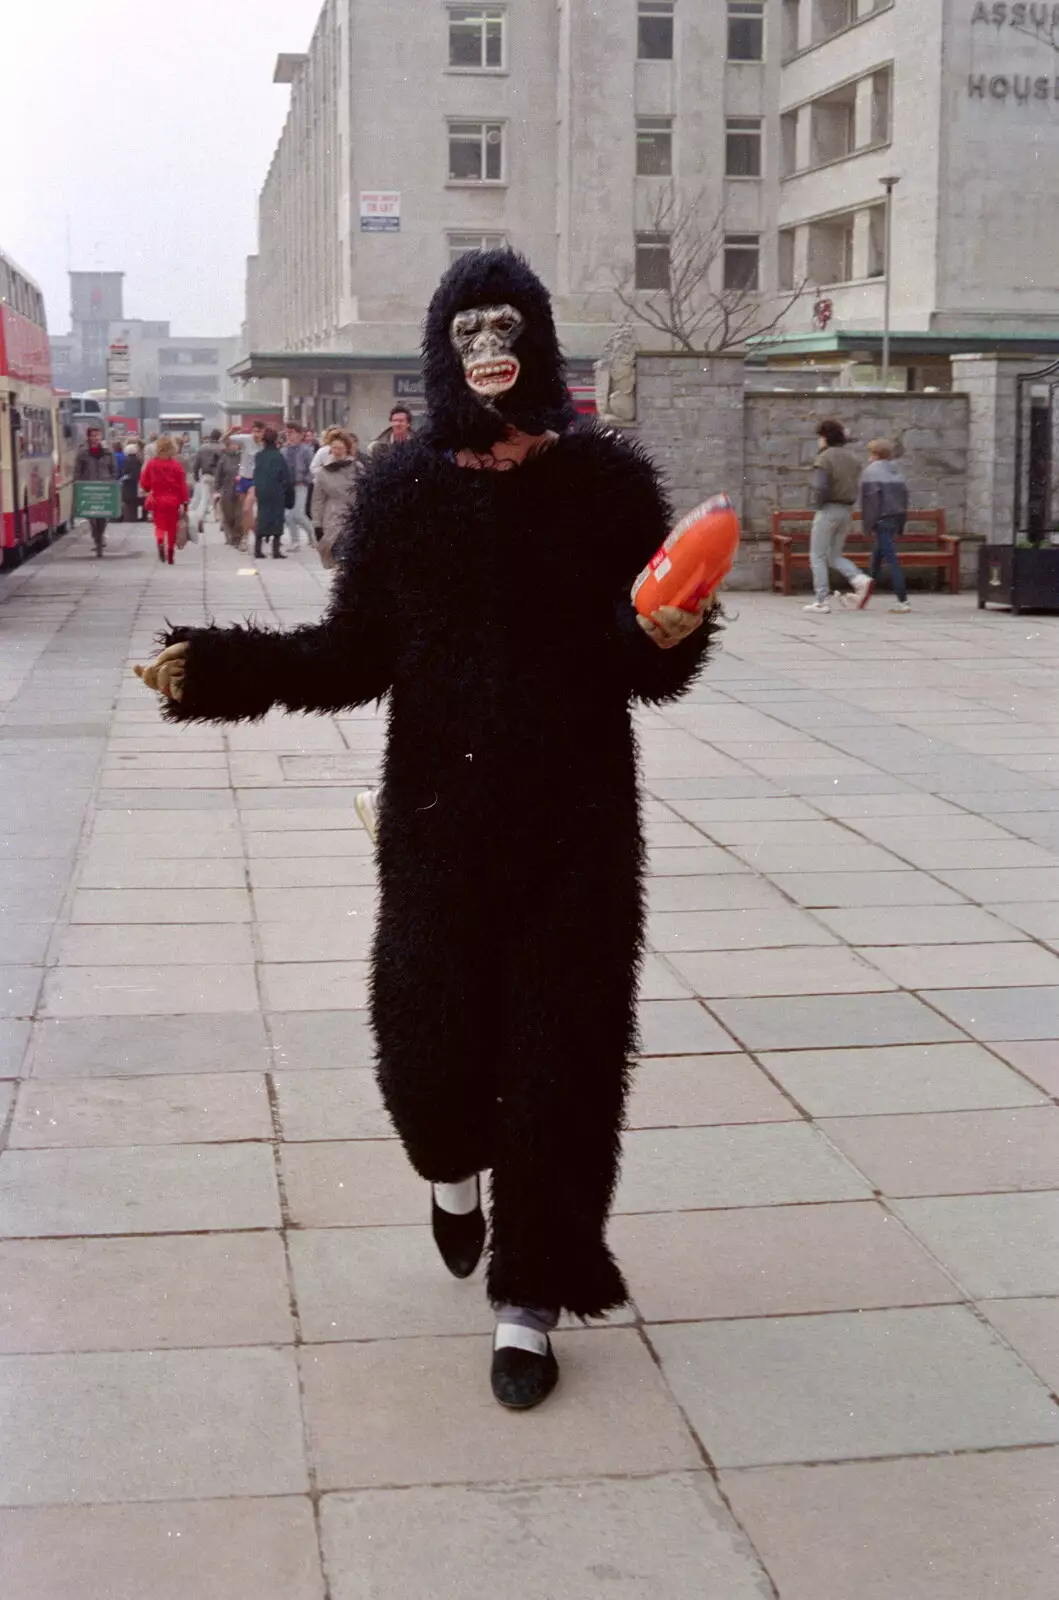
x=521 y=1379
x=161 y=554
x=277 y=555
x=460 y=1240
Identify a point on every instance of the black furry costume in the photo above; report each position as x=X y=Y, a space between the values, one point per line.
x=493 y=608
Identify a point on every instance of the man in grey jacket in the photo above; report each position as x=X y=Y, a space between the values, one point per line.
x=883 y=512
x=835 y=485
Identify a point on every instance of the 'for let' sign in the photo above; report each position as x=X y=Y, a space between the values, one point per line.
x=380 y=211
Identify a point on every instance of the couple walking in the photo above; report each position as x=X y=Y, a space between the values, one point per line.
x=837 y=485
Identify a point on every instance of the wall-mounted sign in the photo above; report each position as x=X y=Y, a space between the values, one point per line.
x=380 y=211
x=118 y=371
x=408 y=386
x=1036 y=20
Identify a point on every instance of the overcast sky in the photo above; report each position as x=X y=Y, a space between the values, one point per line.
x=141 y=132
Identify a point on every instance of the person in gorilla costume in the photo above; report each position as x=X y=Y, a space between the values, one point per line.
x=485 y=587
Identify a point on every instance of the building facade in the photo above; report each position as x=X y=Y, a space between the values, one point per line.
x=417 y=132
x=167 y=373
x=959 y=101
x=587 y=135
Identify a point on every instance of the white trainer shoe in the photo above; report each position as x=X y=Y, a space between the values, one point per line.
x=818 y=606
x=368 y=811
x=901 y=606
x=863 y=588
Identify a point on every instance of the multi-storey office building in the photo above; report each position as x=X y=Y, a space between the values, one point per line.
x=419 y=131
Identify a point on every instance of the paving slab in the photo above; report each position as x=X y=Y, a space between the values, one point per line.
x=150 y=1425
x=923 y=1529
x=1032 y=1328
x=844 y=1386
x=668 y=1536
x=898 y=1078
x=1036 y=1059
x=689 y=1169
x=174 y=1291
x=170 y=1550
x=774 y=1261
x=198 y=1109
x=153 y=1189
x=962 y=1152
x=1010 y=1013
x=361 y=1398
x=832 y=1021
x=994 y=1244
x=103 y=1047
x=693 y=1091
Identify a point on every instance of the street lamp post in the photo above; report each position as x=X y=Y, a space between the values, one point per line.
x=888 y=184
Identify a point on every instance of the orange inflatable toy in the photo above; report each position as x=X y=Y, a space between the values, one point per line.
x=695 y=558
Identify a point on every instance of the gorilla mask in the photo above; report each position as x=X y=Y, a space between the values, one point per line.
x=484 y=340
x=491 y=358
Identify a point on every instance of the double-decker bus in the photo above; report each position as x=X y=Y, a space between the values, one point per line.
x=36 y=443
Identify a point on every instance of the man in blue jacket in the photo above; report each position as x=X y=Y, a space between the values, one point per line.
x=883 y=512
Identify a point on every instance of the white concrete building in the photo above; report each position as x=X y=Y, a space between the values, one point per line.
x=419 y=131
x=959 y=100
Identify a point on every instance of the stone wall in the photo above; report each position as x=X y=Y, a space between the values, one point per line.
x=690 y=420
x=708 y=433
x=930 y=432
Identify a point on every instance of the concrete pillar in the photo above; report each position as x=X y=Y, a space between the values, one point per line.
x=803 y=143
x=862 y=117
x=861 y=242
x=805 y=24
x=991 y=385
x=801 y=253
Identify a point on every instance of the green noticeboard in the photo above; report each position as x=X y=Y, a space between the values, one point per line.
x=98 y=500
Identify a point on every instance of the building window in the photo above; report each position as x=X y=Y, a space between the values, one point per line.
x=654 y=40
x=881 y=85
x=831 y=249
x=652 y=261
x=742 y=155
x=877 y=242
x=785 y=272
x=742 y=256
x=465 y=244
x=476 y=38
x=654 y=147
x=476 y=152
x=746 y=30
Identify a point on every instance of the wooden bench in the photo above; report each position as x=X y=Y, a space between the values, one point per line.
x=924 y=543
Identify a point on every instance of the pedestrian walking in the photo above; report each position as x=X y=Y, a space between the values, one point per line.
x=118 y=449
x=510 y=928
x=335 y=492
x=152 y=446
x=273 y=494
x=94 y=463
x=229 y=500
x=399 y=431
x=130 y=482
x=298 y=454
x=883 y=513
x=835 y=487
x=165 y=483
x=249 y=445
x=204 y=473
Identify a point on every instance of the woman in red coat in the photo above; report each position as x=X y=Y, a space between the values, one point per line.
x=165 y=483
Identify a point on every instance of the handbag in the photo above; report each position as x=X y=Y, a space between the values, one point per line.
x=288 y=496
x=182 y=530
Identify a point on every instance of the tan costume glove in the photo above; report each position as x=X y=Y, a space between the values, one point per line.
x=671 y=625
x=166 y=672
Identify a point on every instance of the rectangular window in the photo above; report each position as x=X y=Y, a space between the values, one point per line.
x=742 y=256
x=652 y=261
x=880 y=106
x=476 y=152
x=877 y=242
x=654 y=40
x=742 y=154
x=465 y=244
x=746 y=30
x=476 y=38
x=654 y=147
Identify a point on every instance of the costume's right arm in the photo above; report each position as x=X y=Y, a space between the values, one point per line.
x=347 y=659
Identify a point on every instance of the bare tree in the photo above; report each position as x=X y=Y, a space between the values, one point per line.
x=693 y=307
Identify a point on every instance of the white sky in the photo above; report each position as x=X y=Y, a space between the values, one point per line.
x=149 y=128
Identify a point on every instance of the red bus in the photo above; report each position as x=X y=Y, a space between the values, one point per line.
x=36 y=443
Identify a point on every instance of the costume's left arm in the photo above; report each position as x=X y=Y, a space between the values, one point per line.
x=635 y=518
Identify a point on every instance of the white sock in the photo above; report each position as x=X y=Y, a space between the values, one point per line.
x=458 y=1199
x=511 y=1336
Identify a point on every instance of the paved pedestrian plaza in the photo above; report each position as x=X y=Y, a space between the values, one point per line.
x=232 y=1365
